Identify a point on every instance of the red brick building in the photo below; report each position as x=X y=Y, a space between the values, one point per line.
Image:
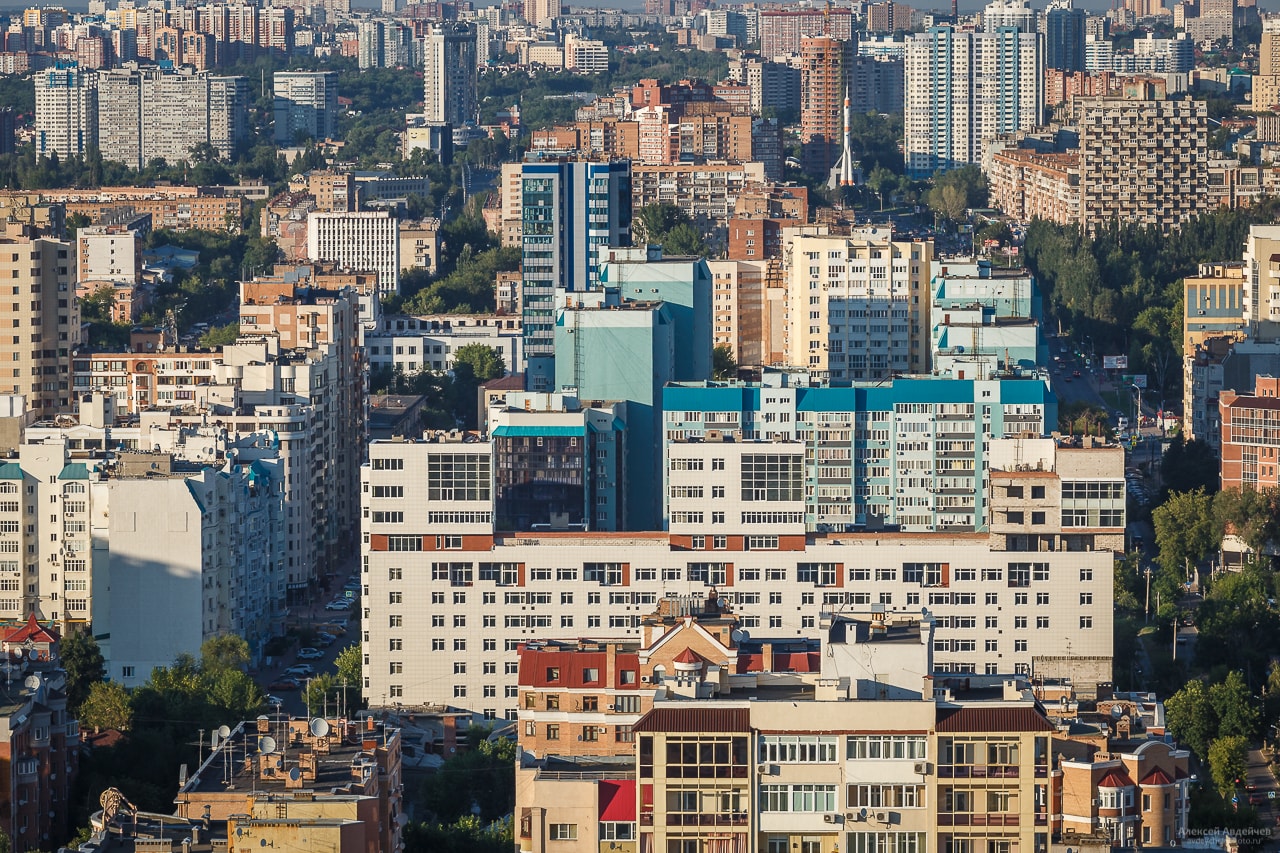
x=1251 y=435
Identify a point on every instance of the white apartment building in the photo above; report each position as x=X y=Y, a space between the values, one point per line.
x=963 y=89
x=859 y=305
x=366 y=241
x=305 y=103
x=1262 y=279
x=411 y=344
x=148 y=114
x=66 y=111
x=587 y=56
x=448 y=599
x=111 y=252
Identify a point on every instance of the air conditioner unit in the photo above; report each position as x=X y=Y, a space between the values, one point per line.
x=922 y=767
x=855 y=817
x=830 y=818
x=882 y=817
x=644 y=679
x=608 y=707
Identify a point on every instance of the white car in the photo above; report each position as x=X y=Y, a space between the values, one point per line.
x=338 y=604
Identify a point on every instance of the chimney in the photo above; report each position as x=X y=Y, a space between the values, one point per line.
x=766 y=657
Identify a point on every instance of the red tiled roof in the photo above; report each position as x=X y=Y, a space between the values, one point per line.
x=1116 y=779
x=992 y=720
x=32 y=630
x=1156 y=777
x=618 y=800
x=695 y=720
x=688 y=656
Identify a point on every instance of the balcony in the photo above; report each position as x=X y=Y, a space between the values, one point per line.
x=966 y=819
x=980 y=771
x=721 y=819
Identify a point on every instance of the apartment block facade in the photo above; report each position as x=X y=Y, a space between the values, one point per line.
x=305 y=104
x=44 y=318
x=66 y=111
x=363 y=241
x=1250 y=428
x=858 y=305
x=430 y=536
x=449 y=73
x=909 y=455
x=963 y=89
x=1168 y=141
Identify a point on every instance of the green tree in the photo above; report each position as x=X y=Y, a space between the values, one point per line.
x=1228 y=763
x=956 y=191
x=232 y=692
x=486 y=362
x=220 y=336
x=223 y=652
x=107 y=707
x=1185 y=531
x=97 y=306
x=1235 y=706
x=481 y=776
x=1125 y=579
x=683 y=240
x=1190 y=717
x=723 y=364
x=84 y=665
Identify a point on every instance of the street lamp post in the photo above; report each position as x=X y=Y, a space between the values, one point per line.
x=1147 y=610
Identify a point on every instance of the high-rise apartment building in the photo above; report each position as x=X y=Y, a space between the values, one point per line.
x=568 y=211
x=384 y=45
x=44 y=319
x=1016 y=14
x=1064 y=39
x=826 y=69
x=66 y=111
x=859 y=305
x=449 y=73
x=1250 y=421
x=965 y=88
x=1261 y=281
x=306 y=103
x=360 y=241
x=541 y=13
x=1169 y=137
x=145 y=115
x=781 y=31
x=774 y=86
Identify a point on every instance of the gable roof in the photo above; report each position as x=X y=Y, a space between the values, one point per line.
x=1116 y=779
x=30 y=630
x=1156 y=777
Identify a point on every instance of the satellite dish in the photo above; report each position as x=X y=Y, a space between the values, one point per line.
x=319 y=727
x=32 y=682
x=34 y=654
x=266 y=744
x=224 y=732
x=294 y=774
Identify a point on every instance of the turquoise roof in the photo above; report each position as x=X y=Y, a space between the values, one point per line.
x=10 y=471
x=74 y=471
x=616 y=426
x=534 y=432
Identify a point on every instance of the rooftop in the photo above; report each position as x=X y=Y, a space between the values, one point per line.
x=278 y=755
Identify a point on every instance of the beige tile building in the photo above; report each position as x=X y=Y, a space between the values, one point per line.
x=858 y=305
x=42 y=316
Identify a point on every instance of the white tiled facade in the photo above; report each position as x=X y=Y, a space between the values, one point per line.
x=447 y=601
x=366 y=241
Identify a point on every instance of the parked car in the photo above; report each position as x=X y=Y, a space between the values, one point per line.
x=276 y=700
x=338 y=604
x=300 y=670
x=284 y=683
x=1076 y=374
x=310 y=654
x=324 y=639
x=334 y=628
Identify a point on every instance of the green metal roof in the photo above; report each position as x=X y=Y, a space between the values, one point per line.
x=74 y=471
x=534 y=432
x=10 y=471
x=616 y=426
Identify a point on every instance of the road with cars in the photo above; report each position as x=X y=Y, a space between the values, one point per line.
x=328 y=627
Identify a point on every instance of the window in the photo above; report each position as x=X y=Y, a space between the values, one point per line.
x=887 y=746
x=1086 y=575
x=1042 y=621
x=797 y=798
x=1086 y=622
x=797 y=749
x=563 y=832
x=553 y=731
x=1086 y=598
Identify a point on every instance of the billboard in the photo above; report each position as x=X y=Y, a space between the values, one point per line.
x=1135 y=381
x=1115 y=362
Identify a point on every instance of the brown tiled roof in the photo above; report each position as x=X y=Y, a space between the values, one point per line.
x=695 y=720
x=1018 y=719
x=1156 y=777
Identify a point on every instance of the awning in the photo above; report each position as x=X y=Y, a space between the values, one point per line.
x=618 y=801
